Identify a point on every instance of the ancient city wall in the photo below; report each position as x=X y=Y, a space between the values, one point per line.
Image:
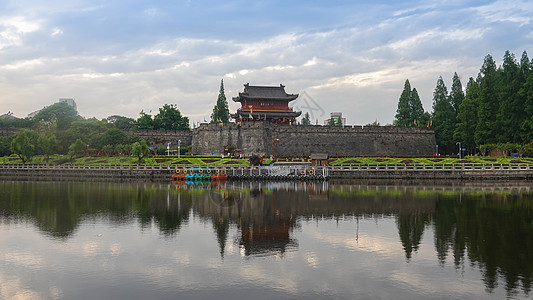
x=262 y=138
x=161 y=138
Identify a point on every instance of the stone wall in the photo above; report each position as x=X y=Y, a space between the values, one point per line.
x=262 y=138
x=161 y=138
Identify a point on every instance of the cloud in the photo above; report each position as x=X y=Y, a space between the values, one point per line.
x=119 y=60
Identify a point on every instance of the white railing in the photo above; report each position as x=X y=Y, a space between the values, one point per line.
x=372 y=168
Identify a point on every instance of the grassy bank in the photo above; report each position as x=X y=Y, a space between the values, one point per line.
x=218 y=161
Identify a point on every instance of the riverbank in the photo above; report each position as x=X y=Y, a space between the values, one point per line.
x=298 y=173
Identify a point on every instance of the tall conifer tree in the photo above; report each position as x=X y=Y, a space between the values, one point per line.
x=467 y=116
x=410 y=111
x=486 y=129
x=443 y=117
x=221 y=111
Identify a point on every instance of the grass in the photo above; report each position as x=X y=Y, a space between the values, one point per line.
x=217 y=161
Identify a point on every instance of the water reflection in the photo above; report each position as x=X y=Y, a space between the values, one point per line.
x=488 y=227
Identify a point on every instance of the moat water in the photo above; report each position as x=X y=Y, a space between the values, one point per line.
x=75 y=240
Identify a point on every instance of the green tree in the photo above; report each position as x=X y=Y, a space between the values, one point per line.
x=76 y=149
x=120 y=122
x=140 y=149
x=145 y=121
x=465 y=127
x=403 y=113
x=456 y=93
x=89 y=131
x=443 y=117
x=511 y=113
x=24 y=145
x=170 y=118
x=417 y=110
x=59 y=113
x=47 y=143
x=338 y=122
x=486 y=129
x=527 y=93
x=331 y=122
x=221 y=111
x=113 y=137
x=5 y=145
x=306 y=120
x=410 y=111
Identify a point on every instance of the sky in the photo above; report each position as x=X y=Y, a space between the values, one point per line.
x=119 y=57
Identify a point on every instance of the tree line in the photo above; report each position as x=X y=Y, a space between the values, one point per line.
x=494 y=112
x=59 y=129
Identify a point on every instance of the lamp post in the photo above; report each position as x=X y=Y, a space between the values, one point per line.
x=436 y=150
x=273 y=139
x=459 y=143
x=179 y=144
x=168 y=149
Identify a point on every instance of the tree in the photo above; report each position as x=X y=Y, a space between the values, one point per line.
x=113 y=137
x=76 y=149
x=47 y=142
x=5 y=145
x=511 y=113
x=221 y=111
x=403 y=113
x=410 y=111
x=306 y=120
x=121 y=122
x=140 y=149
x=443 y=117
x=145 y=121
x=456 y=93
x=417 y=110
x=331 y=122
x=24 y=145
x=60 y=113
x=170 y=118
x=527 y=93
x=338 y=122
x=465 y=127
x=486 y=129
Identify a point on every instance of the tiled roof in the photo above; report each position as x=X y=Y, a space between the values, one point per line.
x=265 y=92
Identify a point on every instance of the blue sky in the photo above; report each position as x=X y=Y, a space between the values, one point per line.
x=121 y=57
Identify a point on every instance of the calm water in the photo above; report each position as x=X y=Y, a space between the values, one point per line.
x=71 y=240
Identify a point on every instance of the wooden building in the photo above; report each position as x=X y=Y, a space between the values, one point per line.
x=265 y=103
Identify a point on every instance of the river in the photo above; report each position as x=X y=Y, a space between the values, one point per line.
x=343 y=240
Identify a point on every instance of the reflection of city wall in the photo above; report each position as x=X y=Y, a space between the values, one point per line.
x=264 y=206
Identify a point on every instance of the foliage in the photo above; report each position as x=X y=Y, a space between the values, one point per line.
x=306 y=119
x=331 y=122
x=221 y=111
x=338 y=122
x=120 y=122
x=112 y=137
x=465 y=127
x=76 y=149
x=24 y=145
x=47 y=143
x=15 y=123
x=145 y=121
x=170 y=118
x=140 y=149
x=410 y=111
x=5 y=145
x=443 y=118
x=59 y=113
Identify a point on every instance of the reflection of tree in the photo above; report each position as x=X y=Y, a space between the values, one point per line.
x=411 y=229
x=496 y=233
x=58 y=208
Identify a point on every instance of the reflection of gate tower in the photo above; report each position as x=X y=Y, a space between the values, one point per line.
x=265 y=103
